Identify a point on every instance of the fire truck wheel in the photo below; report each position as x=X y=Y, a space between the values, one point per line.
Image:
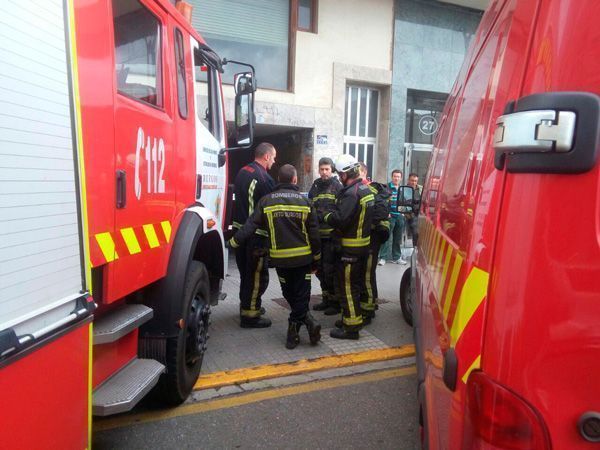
x=406 y=301
x=186 y=352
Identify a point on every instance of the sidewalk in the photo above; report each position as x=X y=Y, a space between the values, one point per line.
x=231 y=347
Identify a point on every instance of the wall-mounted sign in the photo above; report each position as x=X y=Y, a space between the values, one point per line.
x=321 y=139
x=428 y=125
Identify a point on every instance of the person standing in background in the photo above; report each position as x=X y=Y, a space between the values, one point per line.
x=392 y=248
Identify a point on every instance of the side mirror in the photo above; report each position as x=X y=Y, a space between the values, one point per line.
x=244 y=109
x=406 y=199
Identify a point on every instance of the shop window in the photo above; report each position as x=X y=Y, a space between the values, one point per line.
x=360 y=128
x=307 y=15
x=137 y=51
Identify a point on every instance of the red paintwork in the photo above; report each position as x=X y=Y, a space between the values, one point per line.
x=45 y=395
x=109 y=358
x=538 y=236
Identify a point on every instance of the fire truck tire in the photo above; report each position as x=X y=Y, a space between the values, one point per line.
x=184 y=353
x=406 y=301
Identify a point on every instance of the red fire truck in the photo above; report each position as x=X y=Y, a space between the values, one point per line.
x=113 y=197
x=506 y=278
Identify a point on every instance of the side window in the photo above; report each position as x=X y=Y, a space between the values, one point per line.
x=207 y=91
x=137 y=52
x=180 y=67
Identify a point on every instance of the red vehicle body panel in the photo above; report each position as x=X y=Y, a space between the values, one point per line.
x=508 y=267
x=42 y=414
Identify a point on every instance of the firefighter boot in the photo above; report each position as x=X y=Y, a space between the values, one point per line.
x=293 y=338
x=314 y=329
x=324 y=303
x=255 y=322
x=333 y=309
x=339 y=333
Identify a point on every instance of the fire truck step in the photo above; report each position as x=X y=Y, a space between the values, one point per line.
x=116 y=324
x=123 y=390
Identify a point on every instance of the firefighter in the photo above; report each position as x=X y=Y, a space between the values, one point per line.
x=322 y=194
x=380 y=232
x=294 y=247
x=351 y=220
x=251 y=184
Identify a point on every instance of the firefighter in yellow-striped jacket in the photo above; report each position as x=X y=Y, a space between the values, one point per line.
x=251 y=184
x=294 y=248
x=351 y=220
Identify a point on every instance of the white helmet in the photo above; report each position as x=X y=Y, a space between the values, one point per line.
x=346 y=163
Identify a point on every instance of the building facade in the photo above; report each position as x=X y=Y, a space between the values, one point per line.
x=324 y=72
x=361 y=77
x=431 y=39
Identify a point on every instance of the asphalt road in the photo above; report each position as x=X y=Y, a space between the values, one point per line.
x=374 y=413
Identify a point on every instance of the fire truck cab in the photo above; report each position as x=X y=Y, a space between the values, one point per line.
x=506 y=275
x=113 y=192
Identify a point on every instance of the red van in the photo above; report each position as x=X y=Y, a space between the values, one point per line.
x=506 y=275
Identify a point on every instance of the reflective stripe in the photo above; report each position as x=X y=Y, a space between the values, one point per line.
x=286 y=208
x=290 y=252
x=233 y=243
x=326 y=217
x=271 y=229
x=307 y=276
x=304 y=219
x=325 y=230
x=356 y=242
x=249 y=313
x=281 y=279
x=363 y=210
x=329 y=196
x=237 y=224
x=251 y=196
x=317 y=257
x=261 y=232
x=256 y=283
x=385 y=223
x=352 y=321
x=349 y=298
x=368 y=281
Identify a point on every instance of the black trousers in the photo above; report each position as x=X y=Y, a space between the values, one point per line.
x=295 y=285
x=349 y=279
x=368 y=293
x=325 y=271
x=253 y=263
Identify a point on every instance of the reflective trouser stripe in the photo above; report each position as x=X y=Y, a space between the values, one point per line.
x=256 y=284
x=349 y=298
x=369 y=304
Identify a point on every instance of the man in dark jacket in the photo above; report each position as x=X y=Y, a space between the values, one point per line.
x=351 y=220
x=322 y=194
x=251 y=184
x=294 y=246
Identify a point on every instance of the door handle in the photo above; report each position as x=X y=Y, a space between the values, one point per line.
x=552 y=132
x=121 y=189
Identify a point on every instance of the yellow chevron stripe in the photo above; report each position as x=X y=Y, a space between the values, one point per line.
x=107 y=245
x=131 y=241
x=151 y=235
x=436 y=241
x=166 y=227
x=475 y=365
x=445 y=270
x=438 y=266
x=473 y=293
x=458 y=260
